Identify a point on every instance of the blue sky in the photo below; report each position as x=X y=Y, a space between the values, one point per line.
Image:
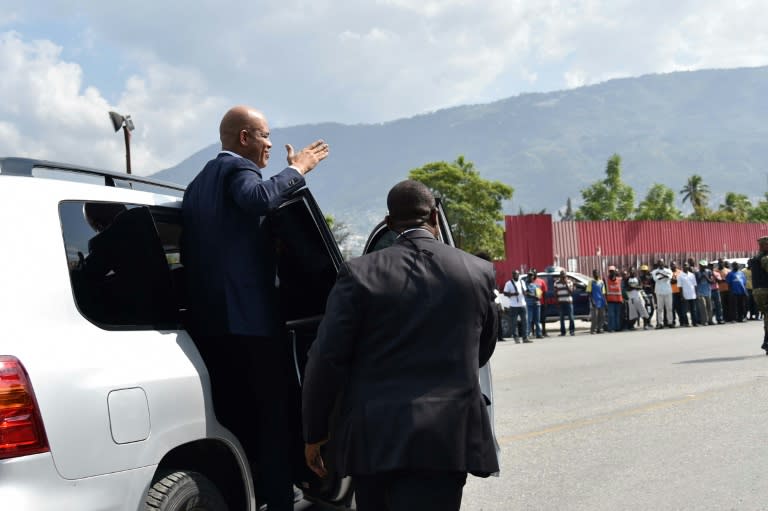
x=175 y=67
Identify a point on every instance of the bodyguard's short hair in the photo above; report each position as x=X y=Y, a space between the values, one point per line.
x=410 y=203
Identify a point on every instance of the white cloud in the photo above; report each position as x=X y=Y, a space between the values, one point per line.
x=181 y=64
x=50 y=113
x=575 y=78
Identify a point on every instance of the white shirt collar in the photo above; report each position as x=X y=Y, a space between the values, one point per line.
x=224 y=151
x=415 y=229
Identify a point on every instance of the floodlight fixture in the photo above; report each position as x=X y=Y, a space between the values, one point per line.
x=124 y=122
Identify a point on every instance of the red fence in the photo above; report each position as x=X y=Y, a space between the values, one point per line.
x=534 y=241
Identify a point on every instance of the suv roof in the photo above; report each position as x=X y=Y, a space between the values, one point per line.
x=29 y=167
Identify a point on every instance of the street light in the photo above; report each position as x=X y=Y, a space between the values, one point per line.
x=125 y=122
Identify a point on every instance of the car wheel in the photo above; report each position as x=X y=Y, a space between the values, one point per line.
x=184 y=491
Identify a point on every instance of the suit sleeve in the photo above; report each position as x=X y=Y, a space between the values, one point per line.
x=490 y=325
x=258 y=196
x=330 y=357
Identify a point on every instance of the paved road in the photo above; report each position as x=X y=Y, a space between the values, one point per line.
x=661 y=420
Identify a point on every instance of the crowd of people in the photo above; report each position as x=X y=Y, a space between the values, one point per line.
x=664 y=296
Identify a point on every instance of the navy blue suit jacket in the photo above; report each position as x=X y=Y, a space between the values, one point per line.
x=226 y=250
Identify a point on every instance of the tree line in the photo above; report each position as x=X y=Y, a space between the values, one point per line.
x=473 y=205
x=612 y=199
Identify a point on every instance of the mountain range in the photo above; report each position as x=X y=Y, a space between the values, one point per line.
x=548 y=146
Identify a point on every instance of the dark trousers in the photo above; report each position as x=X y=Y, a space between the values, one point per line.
x=728 y=311
x=717 y=306
x=737 y=307
x=251 y=386
x=413 y=489
x=693 y=306
x=678 y=307
x=566 y=311
x=518 y=319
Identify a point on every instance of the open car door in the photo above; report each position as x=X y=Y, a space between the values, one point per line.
x=382 y=237
x=308 y=260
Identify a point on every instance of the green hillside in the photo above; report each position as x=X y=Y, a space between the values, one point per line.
x=549 y=146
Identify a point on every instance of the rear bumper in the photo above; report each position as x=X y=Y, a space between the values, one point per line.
x=33 y=484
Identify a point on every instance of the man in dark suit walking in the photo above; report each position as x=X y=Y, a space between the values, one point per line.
x=405 y=332
x=232 y=299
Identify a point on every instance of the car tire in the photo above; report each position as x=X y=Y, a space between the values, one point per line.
x=184 y=491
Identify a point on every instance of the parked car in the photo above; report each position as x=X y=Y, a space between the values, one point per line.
x=551 y=310
x=105 y=401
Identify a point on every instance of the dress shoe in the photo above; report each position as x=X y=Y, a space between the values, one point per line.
x=528 y=341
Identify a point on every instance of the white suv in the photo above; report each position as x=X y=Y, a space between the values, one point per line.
x=105 y=402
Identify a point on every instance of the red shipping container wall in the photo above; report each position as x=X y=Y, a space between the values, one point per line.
x=534 y=241
x=646 y=237
x=527 y=244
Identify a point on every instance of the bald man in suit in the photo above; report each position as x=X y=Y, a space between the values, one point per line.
x=229 y=260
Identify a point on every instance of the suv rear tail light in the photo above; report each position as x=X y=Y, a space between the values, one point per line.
x=21 y=427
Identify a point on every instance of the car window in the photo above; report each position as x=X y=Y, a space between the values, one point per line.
x=382 y=237
x=119 y=266
x=308 y=258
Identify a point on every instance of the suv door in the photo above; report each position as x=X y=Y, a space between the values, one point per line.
x=382 y=237
x=308 y=260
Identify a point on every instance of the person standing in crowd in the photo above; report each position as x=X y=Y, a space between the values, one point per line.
x=411 y=444
x=759 y=266
x=597 y=303
x=662 y=277
x=687 y=282
x=542 y=284
x=517 y=313
x=737 y=283
x=626 y=324
x=648 y=287
x=725 y=290
x=533 y=294
x=635 y=302
x=751 y=308
x=614 y=298
x=564 y=293
x=228 y=255
x=704 y=281
x=717 y=305
x=678 y=303
x=503 y=304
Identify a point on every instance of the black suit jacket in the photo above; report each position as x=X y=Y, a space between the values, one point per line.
x=405 y=332
x=227 y=251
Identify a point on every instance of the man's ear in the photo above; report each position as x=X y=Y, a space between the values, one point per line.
x=433 y=217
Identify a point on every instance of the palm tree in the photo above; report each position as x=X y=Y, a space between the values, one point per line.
x=737 y=205
x=696 y=192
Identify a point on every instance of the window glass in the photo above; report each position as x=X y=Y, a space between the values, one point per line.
x=122 y=263
x=383 y=239
x=306 y=268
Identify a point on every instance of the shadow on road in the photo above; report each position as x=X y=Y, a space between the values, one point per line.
x=719 y=359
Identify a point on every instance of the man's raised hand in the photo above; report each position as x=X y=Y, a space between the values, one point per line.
x=306 y=159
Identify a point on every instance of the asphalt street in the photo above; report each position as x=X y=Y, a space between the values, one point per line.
x=662 y=420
